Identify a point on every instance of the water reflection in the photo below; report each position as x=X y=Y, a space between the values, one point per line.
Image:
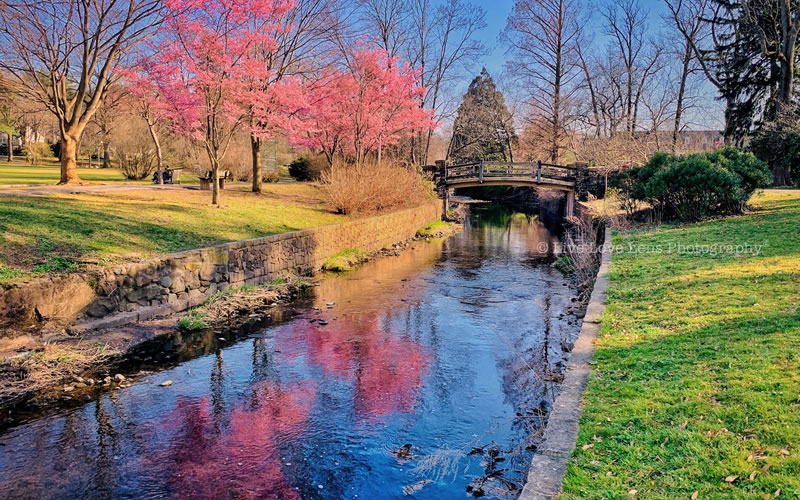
x=452 y=349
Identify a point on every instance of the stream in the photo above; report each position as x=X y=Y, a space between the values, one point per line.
x=428 y=374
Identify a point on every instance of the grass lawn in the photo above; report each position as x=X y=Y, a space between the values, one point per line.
x=40 y=234
x=50 y=173
x=696 y=378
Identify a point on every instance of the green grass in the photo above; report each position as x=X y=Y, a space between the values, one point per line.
x=50 y=173
x=55 y=233
x=696 y=376
x=435 y=228
x=193 y=321
x=346 y=260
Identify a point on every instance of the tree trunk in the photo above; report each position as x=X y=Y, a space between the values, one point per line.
x=687 y=58
x=255 y=149
x=215 y=187
x=727 y=134
x=106 y=156
x=69 y=160
x=151 y=126
x=215 y=195
x=10 y=147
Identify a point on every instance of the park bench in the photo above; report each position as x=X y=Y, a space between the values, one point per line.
x=208 y=179
x=171 y=176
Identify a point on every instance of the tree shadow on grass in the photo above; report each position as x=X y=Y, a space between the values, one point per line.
x=78 y=230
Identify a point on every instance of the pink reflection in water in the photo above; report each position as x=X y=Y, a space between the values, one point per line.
x=241 y=460
x=386 y=369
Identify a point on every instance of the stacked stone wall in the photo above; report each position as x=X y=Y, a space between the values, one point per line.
x=177 y=281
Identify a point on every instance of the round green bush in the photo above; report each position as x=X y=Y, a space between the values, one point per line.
x=698 y=185
x=308 y=168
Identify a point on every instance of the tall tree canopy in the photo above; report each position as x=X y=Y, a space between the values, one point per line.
x=65 y=54
x=483 y=128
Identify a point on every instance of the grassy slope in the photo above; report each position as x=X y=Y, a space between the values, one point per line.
x=50 y=173
x=697 y=372
x=134 y=224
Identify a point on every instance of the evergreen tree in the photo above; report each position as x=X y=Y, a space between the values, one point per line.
x=752 y=63
x=483 y=128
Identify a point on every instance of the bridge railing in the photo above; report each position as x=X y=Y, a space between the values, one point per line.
x=487 y=170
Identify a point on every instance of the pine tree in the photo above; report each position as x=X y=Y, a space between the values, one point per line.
x=483 y=128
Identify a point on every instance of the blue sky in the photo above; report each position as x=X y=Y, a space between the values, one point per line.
x=708 y=115
x=497 y=12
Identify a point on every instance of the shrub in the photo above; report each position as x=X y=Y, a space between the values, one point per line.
x=271 y=177
x=36 y=151
x=134 y=149
x=136 y=164
x=368 y=187
x=694 y=186
x=309 y=168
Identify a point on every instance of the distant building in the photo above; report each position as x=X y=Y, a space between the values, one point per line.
x=700 y=140
x=27 y=137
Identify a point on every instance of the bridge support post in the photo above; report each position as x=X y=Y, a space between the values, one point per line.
x=443 y=190
x=582 y=181
x=569 y=210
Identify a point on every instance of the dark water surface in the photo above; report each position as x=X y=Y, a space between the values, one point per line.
x=454 y=348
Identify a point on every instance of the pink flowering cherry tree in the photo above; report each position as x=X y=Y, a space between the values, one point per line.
x=203 y=66
x=375 y=102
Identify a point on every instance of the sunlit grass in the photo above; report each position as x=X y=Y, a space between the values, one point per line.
x=696 y=377
x=121 y=226
x=50 y=173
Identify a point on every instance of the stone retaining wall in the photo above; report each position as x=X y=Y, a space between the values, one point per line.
x=174 y=282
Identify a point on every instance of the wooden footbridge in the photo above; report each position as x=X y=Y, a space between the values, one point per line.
x=568 y=178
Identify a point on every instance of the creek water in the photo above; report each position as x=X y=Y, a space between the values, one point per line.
x=432 y=377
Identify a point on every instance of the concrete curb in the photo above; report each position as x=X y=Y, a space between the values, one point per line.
x=561 y=433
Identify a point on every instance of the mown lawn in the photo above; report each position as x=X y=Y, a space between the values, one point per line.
x=40 y=234
x=696 y=379
x=50 y=173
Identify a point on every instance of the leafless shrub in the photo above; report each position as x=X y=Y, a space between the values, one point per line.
x=580 y=247
x=371 y=187
x=239 y=159
x=134 y=148
x=36 y=151
x=136 y=163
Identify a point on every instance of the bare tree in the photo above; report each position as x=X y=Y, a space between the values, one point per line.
x=105 y=116
x=64 y=54
x=626 y=24
x=154 y=126
x=444 y=47
x=688 y=17
x=388 y=20
x=589 y=84
x=542 y=36
x=8 y=125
